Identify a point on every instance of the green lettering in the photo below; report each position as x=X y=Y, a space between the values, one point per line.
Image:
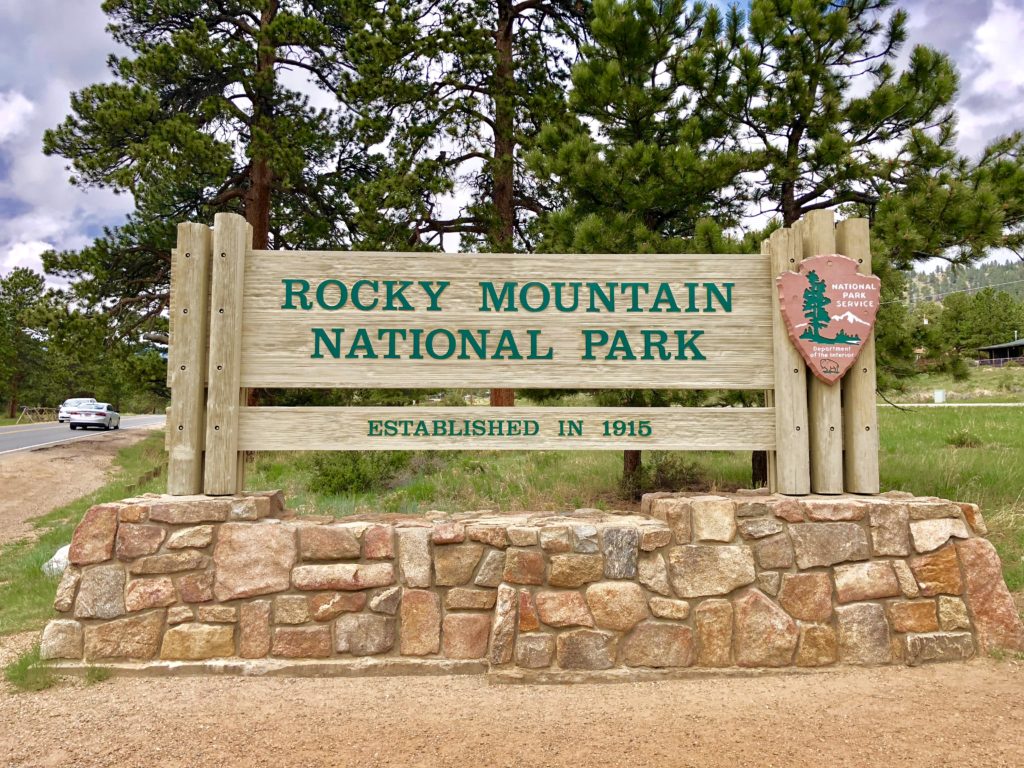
x=634 y=291
x=591 y=339
x=357 y=302
x=432 y=294
x=362 y=344
x=469 y=338
x=725 y=302
x=507 y=349
x=506 y=297
x=607 y=299
x=688 y=344
x=655 y=340
x=545 y=297
x=620 y=346
x=290 y=292
x=449 y=337
x=333 y=348
x=397 y=294
x=664 y=296
x=392 y=335
x=534 y=339
x=321 y=290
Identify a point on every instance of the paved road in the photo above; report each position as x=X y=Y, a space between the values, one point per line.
x=27 y=436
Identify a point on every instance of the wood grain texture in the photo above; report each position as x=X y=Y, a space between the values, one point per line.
x=792 y=455
x=824 y=409
x=186 y=363
x=231 y=241
x=330 y=429
x=860 y=417
x=277 y=344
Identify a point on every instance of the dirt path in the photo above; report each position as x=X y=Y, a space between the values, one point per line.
x=959 y=715
x=35 y=482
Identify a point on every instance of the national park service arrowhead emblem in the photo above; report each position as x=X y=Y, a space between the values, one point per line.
x=829 y=310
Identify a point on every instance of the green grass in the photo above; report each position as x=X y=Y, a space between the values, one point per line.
x=94 y=675
x=28 y=672
x=26 y=593
x=983 y=385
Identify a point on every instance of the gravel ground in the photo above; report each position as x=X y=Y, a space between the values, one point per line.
x=959 y=715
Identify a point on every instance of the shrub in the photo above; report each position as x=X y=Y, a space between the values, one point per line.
x=28 y=672
x=356 y=472
x=963 y=438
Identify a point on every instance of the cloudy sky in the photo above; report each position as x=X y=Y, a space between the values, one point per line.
x=49 y=48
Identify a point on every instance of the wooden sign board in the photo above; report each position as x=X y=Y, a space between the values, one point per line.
x=428 y=320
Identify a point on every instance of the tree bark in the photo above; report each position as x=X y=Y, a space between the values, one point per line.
x=631 y=466
x=502 y=162
x=257 y=197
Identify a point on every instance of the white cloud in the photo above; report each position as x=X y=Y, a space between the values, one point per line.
x=14 y=110
x=24 y=254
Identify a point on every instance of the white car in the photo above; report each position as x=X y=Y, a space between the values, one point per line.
x=69 y=405
x=95 y=415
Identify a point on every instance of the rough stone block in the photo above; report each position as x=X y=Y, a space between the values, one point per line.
x=379 y=542
x=917 y=616
x=503 y=626
x=678 y=515
x=454 y=563
x=765 y=635
x=817 y=647
x=343 y=576
x=173 y=562
x=654 y=538
x=194 y=642
x=414 y=561
x=937 y=646
x=996 y=619
x=664 y=608
x=291 y=609
x=197 y=537
x=938 y=573
x=831 y=511
x=908 y=584
x=621 y=546
x=714 y=620
x=491 y=569
x=492 y=535
x=328 y=542
x=563 y=609
x=769 y=581
x=134 y=637
x=865 y=581
x=953 y=614
x=758 y=528
x=253 y=559
x=617 y=605
x=421 y=622
x=529 y=621
x=101 y=595
x=190 y=512
x=535 y=651
x=196 y=587
x=584 y=539
x=889 y=530
x=62 y=639
x=217 y=614
x=64 y=599
x=135 y=540
x=556 y=539
x=524 y=566
x=586 y=649
x=364 y=634
x=751 y=508
x=179 y=614
x=575 y=570
x=774 y=552
x=828 y=543
x=659 y=645
x=713 y=519
x=467 y=598
x=386 y=601
x=141 y=594
x=653 y=573
x=254 y=629
x=922 y=509
x=448 y=532
x=330 y=605
x=807 y=596
x=929 y=535
x=93 y=539
x=789 y=510
x=302 y=642
x=523 y=536
x=863 y=634
x=700 y=570
x=465 y=635
x=972 y=514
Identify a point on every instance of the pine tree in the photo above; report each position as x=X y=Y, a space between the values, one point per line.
x=815 y=312
x=635 y=166
x=199 y=118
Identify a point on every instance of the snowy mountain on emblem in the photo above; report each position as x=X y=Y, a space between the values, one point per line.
x=850 y=318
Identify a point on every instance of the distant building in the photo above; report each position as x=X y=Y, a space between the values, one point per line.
x=1001 y=354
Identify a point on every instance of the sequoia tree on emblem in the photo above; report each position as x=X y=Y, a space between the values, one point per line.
x=829 y=309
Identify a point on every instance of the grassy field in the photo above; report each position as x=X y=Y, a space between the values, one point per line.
x=983 y=385
x=26 y=594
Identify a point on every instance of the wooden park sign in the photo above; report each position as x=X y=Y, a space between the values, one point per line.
x=244 y=318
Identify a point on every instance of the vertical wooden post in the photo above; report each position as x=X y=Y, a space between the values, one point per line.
x=825 y=409
x=860 y=417
x=186 y=359
x=769 y=394
x=232 y=239
x=791 y=459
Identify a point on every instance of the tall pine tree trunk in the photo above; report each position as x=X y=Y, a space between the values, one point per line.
x=631 y=466
x=502 y=169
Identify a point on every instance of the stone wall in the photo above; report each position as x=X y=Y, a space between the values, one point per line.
x=692 y=581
